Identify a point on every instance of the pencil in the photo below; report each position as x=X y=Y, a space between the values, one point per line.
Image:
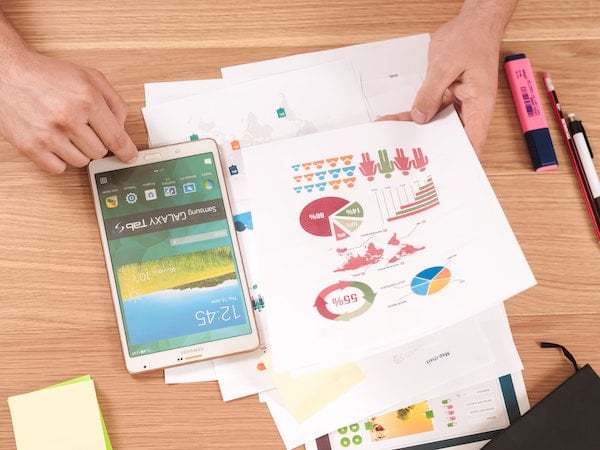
x=573 y=155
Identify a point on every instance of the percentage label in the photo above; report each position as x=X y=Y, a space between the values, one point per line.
x=354 y=211
x=345 y=300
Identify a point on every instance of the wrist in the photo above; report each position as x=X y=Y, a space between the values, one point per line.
x=12 y=45
x=489 y=15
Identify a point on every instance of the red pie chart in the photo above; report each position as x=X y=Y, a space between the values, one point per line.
x=331 y=216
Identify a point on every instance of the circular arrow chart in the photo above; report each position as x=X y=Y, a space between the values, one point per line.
x=331 y=216
x=344 y=300
x=430 y=280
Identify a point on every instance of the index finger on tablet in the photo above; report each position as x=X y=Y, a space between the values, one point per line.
x=112 y=134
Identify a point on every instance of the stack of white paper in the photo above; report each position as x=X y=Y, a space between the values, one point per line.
x=379 y=249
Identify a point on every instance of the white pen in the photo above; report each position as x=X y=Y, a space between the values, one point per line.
x=585 y=155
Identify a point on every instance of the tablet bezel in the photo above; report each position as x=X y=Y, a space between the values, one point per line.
x=194 y=352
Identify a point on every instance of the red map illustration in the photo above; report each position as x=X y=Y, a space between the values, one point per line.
x=371 y=254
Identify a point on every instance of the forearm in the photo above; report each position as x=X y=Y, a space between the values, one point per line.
x=490 y=16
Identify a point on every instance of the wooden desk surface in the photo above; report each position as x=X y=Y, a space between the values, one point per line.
x=56 y=318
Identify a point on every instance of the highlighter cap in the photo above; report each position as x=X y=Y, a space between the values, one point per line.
x=541 y=149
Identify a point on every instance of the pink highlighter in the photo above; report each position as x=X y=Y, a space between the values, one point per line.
x=529 y=109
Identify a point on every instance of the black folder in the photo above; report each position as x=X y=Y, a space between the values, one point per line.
x=567 y=419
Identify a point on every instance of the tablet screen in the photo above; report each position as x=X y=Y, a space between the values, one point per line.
x=171 y=254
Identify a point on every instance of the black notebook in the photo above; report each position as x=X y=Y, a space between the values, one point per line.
x=567 y=419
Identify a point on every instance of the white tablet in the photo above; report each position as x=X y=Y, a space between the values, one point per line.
x=173 y=261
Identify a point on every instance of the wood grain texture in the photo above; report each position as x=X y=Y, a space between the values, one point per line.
x=56 y=319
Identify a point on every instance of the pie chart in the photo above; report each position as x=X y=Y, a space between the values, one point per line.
x=430 y=280
x=331 y=216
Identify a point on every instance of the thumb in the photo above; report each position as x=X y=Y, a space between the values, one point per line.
x=432 y=95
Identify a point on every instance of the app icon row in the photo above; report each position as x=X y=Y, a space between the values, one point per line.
x=151 y=194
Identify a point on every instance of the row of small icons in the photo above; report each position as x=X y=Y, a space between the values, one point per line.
x=112 y=201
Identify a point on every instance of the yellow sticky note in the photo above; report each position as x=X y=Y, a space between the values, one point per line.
x=63 y=417
x=305 y=395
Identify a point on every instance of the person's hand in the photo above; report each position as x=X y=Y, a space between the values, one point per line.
x=58 y=113
x=462 y=69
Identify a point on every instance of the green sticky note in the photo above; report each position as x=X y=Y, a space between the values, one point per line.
x=65 y=416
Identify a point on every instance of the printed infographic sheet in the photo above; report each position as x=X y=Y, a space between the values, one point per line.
x=374 y=235
x=429 y=367
x=468 y=416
